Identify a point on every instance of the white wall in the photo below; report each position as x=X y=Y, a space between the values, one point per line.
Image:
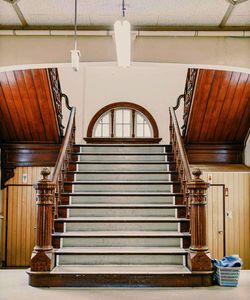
x=73 y=85
x=154 y=88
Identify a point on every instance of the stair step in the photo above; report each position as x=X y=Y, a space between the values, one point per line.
x=122 y=153
x=120 y=250
x=81 y=186
x=122 y=165
x=121 y=269
x=121 y=219
x=120 y=255
x=162 y=157
x=125 y=148
x=72 y=234
x=109 y=205
x=121 y=175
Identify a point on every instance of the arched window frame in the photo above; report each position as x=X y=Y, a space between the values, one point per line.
x=126 y=105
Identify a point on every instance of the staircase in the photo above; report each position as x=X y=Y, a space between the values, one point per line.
x=121 y=221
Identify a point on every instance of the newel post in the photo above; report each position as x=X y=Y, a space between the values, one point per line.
x=42 y=258
x=199 y=258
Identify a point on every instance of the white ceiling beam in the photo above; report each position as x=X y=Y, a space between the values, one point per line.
x=17 y=11
x=232 y=4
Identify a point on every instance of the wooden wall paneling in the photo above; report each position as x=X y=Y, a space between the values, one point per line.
x=21 y=217
x=204 y=82
x=39 y=125
x=19 y=104
x=237 y=220
x=12 y=126
x=28 y=105
x=217 y=108
x=237 y=108
x=45 y=106
x=51 y=105
x=211 y=103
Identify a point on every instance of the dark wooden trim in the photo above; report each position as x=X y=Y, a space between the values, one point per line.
x=47 y=279
x=123 y=105
x=93 y=140
x=215 y=153
x=20 y=155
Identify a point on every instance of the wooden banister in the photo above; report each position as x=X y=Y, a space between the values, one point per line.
x=194 y=197
x=47 y=200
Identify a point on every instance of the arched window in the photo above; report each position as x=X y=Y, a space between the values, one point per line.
x=122 y=122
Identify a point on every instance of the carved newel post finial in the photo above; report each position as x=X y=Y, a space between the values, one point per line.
x=45 y=173
x=197 y=173
x=199 y=258
x=42 y=258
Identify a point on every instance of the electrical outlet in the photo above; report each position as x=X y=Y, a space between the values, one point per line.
x=229 y=214
x=210 y=178
x=25 y=178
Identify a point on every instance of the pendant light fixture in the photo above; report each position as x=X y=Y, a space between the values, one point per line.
x=75 y=54
x=122 y=31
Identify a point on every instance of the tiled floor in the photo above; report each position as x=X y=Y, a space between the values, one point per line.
x=14 y=286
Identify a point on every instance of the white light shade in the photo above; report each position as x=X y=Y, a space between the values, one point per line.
x=75 y=59
x=123 y=42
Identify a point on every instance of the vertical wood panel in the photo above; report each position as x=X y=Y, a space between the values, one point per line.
x=21 y=217
x=237 y=204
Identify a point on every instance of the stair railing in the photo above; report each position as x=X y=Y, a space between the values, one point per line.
x=48 y=195
x=194 y=197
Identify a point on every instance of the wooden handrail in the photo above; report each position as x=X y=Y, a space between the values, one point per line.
x=176 y=133
x=66 y=143
x=194 y=197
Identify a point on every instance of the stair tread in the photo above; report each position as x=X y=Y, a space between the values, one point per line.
x=120 y=233
x=123 y=153
x=131 y=162
x=110 y=193
x=123 y=145
x=110 y=205
x=132 y=250
x=121 y=269
x=122 y=172
x=121 y=182
x=122 y=219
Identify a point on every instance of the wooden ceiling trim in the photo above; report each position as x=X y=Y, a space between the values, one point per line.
x=20 y=109
x=218 y=108
x=27 y=103
x=11 y=107
x=4 y=134
x=33 y=98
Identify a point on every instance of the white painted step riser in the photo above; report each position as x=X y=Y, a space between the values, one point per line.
x=122 y=199
x=107 y=176
x=122 y=149
x=122 y=158
x=122 y=167
x=120 y=212
x=121 y=259
x=105 y=226
x=121 y=187
x=121 y=242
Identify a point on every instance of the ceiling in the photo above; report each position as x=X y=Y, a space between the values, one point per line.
x=155 y=14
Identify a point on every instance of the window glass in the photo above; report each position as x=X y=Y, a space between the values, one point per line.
x=126 y=130
x=123 y=124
